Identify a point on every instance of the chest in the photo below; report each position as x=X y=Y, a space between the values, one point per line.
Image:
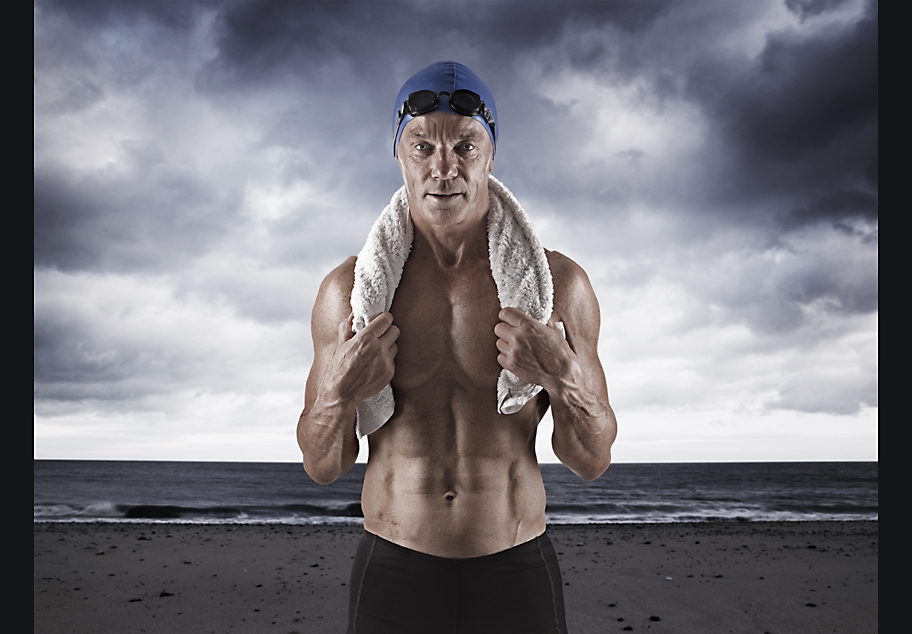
x=446 y=320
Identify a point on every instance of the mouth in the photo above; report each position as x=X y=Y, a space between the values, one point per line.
x=443 y=197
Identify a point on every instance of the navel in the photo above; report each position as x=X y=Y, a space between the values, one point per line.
x=450 y=495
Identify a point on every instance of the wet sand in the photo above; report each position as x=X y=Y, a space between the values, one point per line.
x=776 y=578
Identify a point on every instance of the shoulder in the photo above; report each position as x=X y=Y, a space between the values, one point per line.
x=340 y=280
x=563 y=269
x=575 y=302
x=334 y=296
x=570 y=280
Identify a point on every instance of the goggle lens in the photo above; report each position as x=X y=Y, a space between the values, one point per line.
x=465 y=102
x=421 y=102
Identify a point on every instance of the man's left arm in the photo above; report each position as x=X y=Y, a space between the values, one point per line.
x=568 y=369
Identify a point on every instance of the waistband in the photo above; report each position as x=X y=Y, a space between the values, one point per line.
x=533 y=545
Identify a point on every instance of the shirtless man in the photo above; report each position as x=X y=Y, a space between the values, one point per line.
x=453 y=501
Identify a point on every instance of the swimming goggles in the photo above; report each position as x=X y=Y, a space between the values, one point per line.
x=464 y=102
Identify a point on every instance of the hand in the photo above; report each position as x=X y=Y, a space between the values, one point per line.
x=362 y=363
x=535 y=352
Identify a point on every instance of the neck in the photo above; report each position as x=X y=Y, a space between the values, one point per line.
x=451 y=246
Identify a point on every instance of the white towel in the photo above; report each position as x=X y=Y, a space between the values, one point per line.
x=518 y=264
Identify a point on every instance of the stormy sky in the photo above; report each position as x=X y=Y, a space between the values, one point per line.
x=201 y=166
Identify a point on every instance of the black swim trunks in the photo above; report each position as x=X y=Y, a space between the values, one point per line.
x=396 y=590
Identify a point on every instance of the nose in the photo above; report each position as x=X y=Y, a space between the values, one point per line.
x=444 y=166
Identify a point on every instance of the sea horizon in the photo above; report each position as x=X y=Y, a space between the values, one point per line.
x=281 y=492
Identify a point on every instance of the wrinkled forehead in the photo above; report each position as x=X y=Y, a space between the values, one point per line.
x=445 y=126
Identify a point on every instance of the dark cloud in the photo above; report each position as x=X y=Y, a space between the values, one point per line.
x=153 y=220
x=801 y=122
x=834 y=206
x=125 y=14
x=75 y=360
x=261 y=39
x=805 y=9
x=127 y=42
x=63 y=220
x=807 y=94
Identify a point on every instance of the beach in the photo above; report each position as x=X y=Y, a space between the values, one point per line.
x=775 y=577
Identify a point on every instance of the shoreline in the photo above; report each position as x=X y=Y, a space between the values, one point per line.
x=700 y=577
x=703 y=522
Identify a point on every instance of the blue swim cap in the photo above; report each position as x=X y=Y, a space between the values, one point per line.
x=444 y=77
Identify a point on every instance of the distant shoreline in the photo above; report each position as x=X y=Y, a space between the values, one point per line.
x=725 y=521
x=214 y=493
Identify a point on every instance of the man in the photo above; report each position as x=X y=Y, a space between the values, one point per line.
x=453 y=501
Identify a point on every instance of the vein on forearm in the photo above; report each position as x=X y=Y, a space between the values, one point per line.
x=323 y=437
x=583 y=427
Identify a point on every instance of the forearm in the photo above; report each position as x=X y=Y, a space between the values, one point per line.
x=346 y=369
x=326 y=436
x=584 y=425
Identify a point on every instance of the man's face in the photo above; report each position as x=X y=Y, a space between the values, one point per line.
x=445 y=159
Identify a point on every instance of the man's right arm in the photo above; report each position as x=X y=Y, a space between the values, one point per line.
x=347 y=368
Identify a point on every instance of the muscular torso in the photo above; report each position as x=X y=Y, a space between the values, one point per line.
x=448 y=475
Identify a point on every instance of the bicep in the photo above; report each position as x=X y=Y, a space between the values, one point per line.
x=576 y=304
x=331 y=308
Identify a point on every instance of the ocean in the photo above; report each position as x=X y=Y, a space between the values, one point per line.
x=267 y=492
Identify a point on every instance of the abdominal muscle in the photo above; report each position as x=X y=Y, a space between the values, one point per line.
x=447 y=475
x=455 y=484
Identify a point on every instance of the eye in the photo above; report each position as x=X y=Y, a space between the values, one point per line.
x=421 y=146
